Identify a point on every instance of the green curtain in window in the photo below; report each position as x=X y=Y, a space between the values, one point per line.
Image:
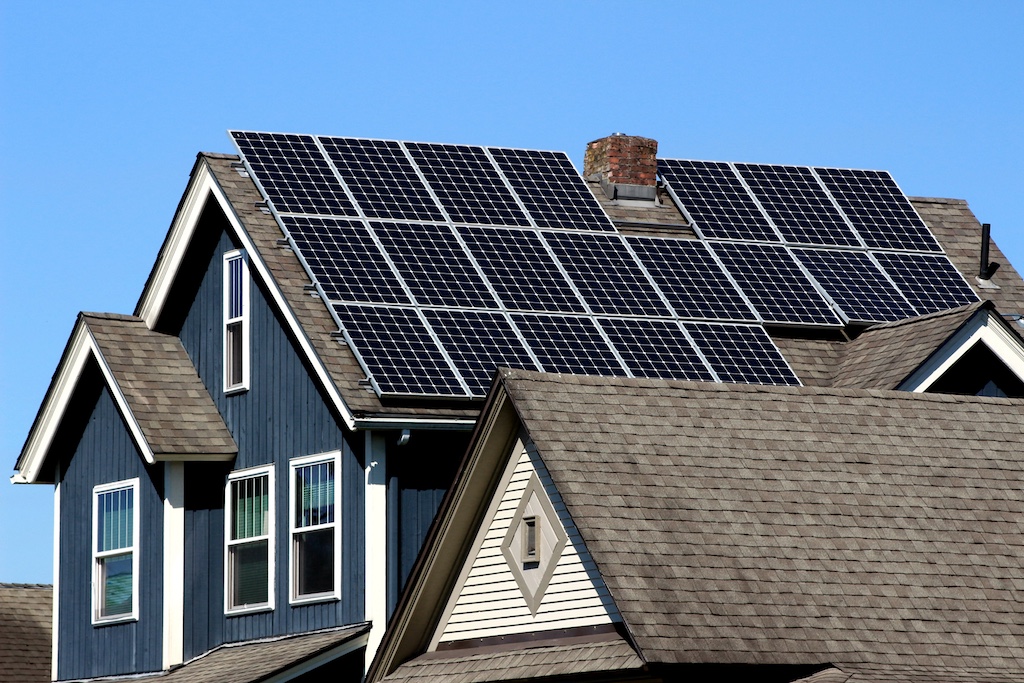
x=116 y=519
x=315 y=501
x=251 y=507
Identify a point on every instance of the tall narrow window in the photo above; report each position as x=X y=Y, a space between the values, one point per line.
x=250 y=547
x=115 y=546
x=315 y=564
x=236 y=321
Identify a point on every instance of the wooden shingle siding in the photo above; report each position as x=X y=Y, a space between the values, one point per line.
x=490 y=601
x=282 y=416
x=105 y=453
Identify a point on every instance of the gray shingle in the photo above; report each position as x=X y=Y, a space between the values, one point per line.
x=26 y=622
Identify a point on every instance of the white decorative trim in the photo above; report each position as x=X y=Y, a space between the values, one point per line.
x=375 y=592
x=984 y=326
x=268 y=606
x=335 y=593
x=55 y=595
x=97 y=491
x=305 y=667
x=174 y=564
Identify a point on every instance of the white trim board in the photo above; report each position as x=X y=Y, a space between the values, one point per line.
x=984 y=326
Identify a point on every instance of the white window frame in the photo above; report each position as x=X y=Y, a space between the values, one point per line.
x=252 y=472
x=97 y=583
x=293 y=530
x=242 y=320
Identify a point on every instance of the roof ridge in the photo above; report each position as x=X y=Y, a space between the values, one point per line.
x=930 y=316
x=40 y=586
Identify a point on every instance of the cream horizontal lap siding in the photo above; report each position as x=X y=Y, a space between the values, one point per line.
x=490 y=601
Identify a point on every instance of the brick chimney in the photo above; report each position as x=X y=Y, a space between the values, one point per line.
x=626 y=166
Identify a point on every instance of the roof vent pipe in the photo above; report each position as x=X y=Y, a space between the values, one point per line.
x=986 y=268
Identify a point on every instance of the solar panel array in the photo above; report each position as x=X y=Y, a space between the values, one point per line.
x=443 y=262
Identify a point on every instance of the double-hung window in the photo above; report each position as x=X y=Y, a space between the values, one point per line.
x=250 y=541
x=315 y=558
x=236 y=321
x=115 y=533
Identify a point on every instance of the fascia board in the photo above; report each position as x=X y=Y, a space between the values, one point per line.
x=201 y=188
x=985 y=325
x=425 y=423
x=356 y=643
x=81 y=346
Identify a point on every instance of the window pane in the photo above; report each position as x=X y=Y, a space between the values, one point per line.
x=235 y=288
x=234 y=351
x=115 y=511
x=314 y=552
x=314 y=500
x=250 y=508
x=116 y=582
x=249 y=569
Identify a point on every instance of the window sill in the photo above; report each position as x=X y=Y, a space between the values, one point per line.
x=113 y=621
x=236 y=390
x=242 y=611
x=313 y=599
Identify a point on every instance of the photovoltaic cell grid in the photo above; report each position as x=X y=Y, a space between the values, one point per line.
x=692 y=281
x=797 y=204
x=398 y=351
x=479 y=342
x=856 y=284
x=569 y=345
x=605 y=273
x=382 y=179
x=774 y=284
x=551 y=189
x=294 y=174
x=716 y=200
x=878 y=209
x=741 y=353
x=345 y=260
x=931 y=283
x=521 y=270
x=655 y=348
x=467 y=184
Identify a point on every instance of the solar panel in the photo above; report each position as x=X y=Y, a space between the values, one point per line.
x=434 y=265
x=294 y=174
x=879 y=210
x=856 y=284
x=521 y=270
x=691 y=279
x=345 y=260
x=467 y=184
x=479 y=342
x=797 y=204
x=741 y=353
x=382 y=179
x=606 y=274
x=931 y=283
x=566 y=344
x=551 y=189
x=398 y=352
x=774 y=284
x=716 y=200
x=655 y=348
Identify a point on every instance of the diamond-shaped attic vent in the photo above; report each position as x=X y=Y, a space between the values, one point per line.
x=534 y=542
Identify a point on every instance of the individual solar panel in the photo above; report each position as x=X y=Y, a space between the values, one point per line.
x=521 y=270
x=655 y=348
x=345 y=260
x=569 y=345
x=552 y=190
x=467 y=184
x=293 y=173
x=434 y=265
x=878 y=209
x=774 y=284
x=691 y=279
x=382 y=179
x=741 y=353
x=716 y=200
x=931 y=283
x=479 y=342
x=856 y=284
x=606 y=274
x=797 y=204
x=398 y=351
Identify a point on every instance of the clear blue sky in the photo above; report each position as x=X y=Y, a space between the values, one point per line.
x=103 y=107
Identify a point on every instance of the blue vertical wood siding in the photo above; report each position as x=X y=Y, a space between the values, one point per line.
x=103 y=452
x=282 y=416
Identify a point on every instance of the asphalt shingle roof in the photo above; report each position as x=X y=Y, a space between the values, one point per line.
x=26 y=622
x=161 y=385
x=771 y=525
